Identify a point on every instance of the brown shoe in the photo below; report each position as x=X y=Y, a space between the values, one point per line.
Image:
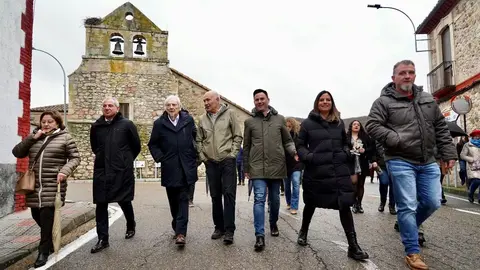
x=414 y=261
x=293 y=212
x=180 y=241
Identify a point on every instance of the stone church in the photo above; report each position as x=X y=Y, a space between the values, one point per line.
x=127 y=57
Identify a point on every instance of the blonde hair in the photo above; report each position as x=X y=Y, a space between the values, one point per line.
x=295 y=124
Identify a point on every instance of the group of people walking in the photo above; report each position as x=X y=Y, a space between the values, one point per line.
x=403 y=128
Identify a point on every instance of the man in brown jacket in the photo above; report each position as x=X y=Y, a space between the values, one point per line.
x=219 y=137
x=266 y=140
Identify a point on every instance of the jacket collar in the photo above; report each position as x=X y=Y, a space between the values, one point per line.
x=256 y=113
x=103 y=122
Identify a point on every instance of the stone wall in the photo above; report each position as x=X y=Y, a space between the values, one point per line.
x=465 y=35
x=467 y=39
x=144 y=91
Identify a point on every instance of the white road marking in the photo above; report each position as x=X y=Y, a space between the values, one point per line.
x=82 y=240
x=375 y=196
x=367 y=264
x=455 y=197
x=466 y=211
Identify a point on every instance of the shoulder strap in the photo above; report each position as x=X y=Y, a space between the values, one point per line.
x=40 y=151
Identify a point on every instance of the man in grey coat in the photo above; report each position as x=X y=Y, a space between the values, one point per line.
x=409 y=124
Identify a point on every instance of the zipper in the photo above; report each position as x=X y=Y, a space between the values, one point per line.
x=40 y=165
x=422 y=135
x=215 y=151
x=263 y=146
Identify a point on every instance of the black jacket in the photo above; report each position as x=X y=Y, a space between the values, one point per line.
x=323 y=148
x=292 y=164
x=115 y=145
x=409 y=129
x=379 y=155
x=174 y=147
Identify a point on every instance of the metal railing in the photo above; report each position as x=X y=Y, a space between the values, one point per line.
x=441 y=77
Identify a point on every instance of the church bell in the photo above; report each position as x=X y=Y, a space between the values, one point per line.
x=139 y=49
x=118 y=47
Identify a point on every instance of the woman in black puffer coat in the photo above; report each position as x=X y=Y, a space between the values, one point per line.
x=323 y=149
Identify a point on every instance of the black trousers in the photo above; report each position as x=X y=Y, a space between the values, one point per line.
x=44 y=219
x=240 y=173
x=191 y=191
x=178 y=198
x=222 y=181
x=101 y=217
x=346 y=218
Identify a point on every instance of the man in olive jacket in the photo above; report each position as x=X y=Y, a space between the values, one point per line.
x=219 y=138
x=409 y=124
x=266 y=139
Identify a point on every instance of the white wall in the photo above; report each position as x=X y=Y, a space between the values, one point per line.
x=11 y=74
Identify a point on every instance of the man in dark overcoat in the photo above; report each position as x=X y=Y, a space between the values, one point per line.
x=115 y=142
x=172 y=143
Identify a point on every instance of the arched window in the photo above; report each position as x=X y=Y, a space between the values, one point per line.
x=117 y=45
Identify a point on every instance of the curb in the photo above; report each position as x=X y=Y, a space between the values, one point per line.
x=455 y=191
x=138 y=180
x=71 y=224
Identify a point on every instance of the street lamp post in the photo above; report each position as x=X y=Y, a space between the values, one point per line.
x=64 y=85
x=378 y=6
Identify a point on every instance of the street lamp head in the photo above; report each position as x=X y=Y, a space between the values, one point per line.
x=377 y=6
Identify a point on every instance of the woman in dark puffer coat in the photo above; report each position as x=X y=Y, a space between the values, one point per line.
x=57 y=161
x=323 y=149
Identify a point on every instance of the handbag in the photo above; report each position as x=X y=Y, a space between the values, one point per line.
x=26 y=182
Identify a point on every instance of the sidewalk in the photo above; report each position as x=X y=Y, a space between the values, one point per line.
x=19 y=234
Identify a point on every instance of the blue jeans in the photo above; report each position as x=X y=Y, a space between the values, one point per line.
x=292 y=189
x=474 y=184
x=260 y=194
x=385 y=183
x=417 y=192
x=463 y=171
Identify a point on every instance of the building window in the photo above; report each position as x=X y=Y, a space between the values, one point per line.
x=125 y=110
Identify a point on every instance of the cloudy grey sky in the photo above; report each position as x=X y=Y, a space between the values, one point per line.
x=293 y=49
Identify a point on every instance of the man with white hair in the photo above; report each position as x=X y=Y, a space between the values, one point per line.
x=218 y=143
x=173 y=144
x=115 y=143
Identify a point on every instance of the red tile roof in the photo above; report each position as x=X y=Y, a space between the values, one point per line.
x=441 y=9
x=58 y=107
x=207 y=89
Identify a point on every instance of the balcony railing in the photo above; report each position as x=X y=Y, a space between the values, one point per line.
x=441 y=77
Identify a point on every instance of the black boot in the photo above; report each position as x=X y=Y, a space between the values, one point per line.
x=355 y=209
x=130 y=231
x=392 y=210
x=101 y=245
x=302 y=237
x=381 y=208
x=421 y=239
x=360 y=209
x=260 y=243
x=354 y=250
x=41 y=260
